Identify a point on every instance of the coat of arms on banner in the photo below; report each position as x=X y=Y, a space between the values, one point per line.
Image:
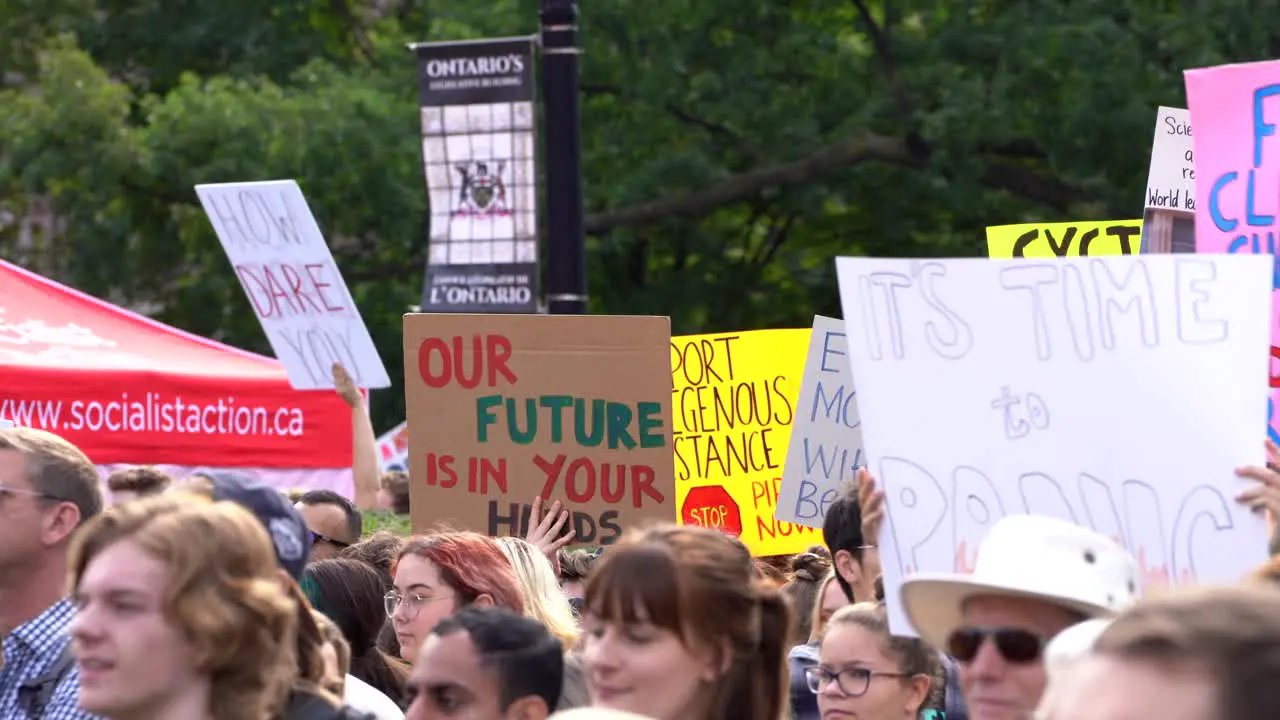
x=482 y=193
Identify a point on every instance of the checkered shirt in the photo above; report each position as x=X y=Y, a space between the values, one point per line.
x=30 y=651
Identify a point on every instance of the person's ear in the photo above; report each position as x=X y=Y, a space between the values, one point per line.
x=919 y=688
x=714 y=661
x=485 y=600
x=529 y=707
x=59 y=524
x=847 y=567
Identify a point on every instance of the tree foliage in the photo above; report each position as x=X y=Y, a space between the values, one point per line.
x=730 y=150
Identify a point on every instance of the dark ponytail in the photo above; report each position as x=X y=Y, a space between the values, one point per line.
x=758 y=687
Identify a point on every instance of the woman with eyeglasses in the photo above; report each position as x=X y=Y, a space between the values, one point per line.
x=866 y=673
x=439 y=574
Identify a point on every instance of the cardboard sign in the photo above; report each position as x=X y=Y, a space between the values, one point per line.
x=826 y=438
x=1237 y=151
x=1117 y=393
x=1069 y=239
x=733 y=400
x=285 y=267
x=504 y=408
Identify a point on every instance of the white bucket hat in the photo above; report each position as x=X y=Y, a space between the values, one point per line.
x=1027 y=556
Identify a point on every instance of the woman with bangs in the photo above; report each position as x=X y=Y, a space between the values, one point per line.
x=678 y=627
x=181 y=614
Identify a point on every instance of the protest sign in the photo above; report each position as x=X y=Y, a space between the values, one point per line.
x=1171 y=181
x=1238 y=174
x=6 y=424
x=733 y=401
x=1068 y=239
x=285 y=267
x=1117 y=393
x=506 y=408
x=826 y=437
x=393 y=448
x=1169 y=221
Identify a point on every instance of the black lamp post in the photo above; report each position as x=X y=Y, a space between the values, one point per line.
x=566 y=238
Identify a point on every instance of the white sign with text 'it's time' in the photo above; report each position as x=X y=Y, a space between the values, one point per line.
x=1118 y=393
x=297 y=292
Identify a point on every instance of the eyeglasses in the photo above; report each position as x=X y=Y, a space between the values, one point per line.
x=317 y=538
x=412 y=602
x=6 y=490
x=1015 y=645
x=852 y=681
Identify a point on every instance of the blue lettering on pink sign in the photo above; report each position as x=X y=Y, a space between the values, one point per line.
x=1251 y=242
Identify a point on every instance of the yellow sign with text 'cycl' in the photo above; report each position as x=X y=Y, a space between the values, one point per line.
x=1066 y=239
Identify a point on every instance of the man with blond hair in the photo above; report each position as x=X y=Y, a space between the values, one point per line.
x=48 y=488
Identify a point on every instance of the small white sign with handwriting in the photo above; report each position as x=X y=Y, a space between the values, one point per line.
x=293 y=283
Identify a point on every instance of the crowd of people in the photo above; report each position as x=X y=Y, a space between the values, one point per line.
x=220 y=598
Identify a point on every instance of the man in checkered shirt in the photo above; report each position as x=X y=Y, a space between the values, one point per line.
x=48 y=487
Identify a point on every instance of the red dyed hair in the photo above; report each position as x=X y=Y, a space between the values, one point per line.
x=470 y=563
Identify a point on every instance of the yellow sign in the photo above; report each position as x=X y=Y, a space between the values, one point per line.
x=732 y=403
x=1069 y=239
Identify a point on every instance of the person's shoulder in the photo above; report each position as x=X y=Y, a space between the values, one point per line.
x=306 y=705
x=65 y=705
x=804 y=653
x=64 y=701
x=363 y=697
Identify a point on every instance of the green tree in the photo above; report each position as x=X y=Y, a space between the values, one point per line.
x=730 y=150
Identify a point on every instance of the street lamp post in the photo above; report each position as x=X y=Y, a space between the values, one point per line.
x=566 y=238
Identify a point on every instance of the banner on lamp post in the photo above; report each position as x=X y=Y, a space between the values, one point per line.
x=479 y=161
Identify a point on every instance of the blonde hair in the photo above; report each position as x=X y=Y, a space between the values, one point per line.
x=914 y=656
x=816 y=624
x=309 y=642
x=223 y=591
x=543 y=600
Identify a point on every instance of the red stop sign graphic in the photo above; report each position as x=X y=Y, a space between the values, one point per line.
x=712 y=507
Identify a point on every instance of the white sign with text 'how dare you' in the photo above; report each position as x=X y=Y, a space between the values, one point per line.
x=293 y=283
x=1119 y=393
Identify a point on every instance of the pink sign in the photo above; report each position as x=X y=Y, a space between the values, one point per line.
x=1235 y=110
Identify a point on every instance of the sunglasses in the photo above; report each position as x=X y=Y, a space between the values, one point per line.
x=1015 y=645
x=317 y=538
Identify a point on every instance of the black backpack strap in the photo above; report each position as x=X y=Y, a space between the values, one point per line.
x=34 y=695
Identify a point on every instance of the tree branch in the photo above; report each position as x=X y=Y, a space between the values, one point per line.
x=884 y=53
x=1021 y=181
x=720 y=130
x=861 y=147
x=853 y=150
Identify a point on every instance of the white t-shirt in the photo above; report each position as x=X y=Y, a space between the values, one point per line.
x=361 y=696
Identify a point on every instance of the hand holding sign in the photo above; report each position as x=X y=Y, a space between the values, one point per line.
x=871 y=503
x=345 y=386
